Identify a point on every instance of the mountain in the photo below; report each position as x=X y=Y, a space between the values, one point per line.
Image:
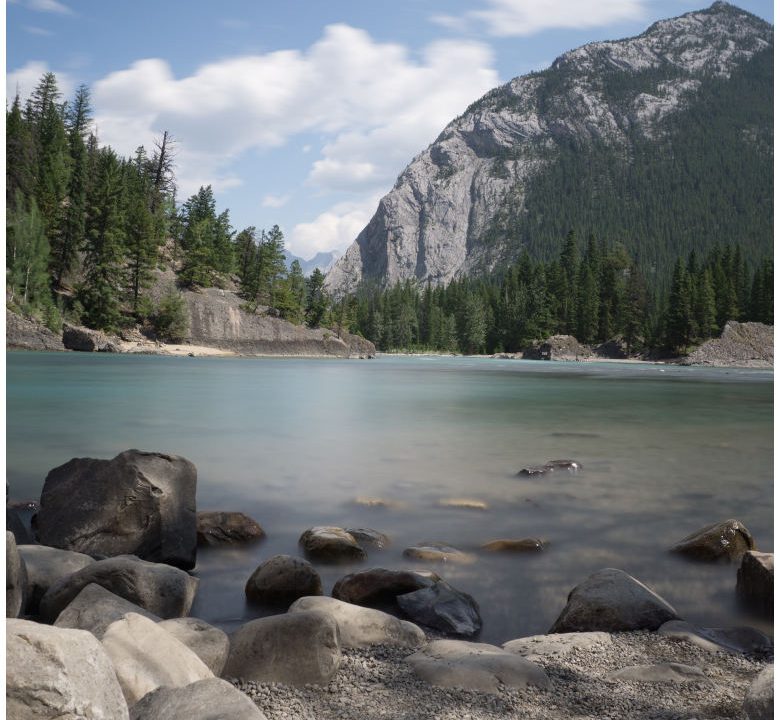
x=322 y=260
x=662 y=141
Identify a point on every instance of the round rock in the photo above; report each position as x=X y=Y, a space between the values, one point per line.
x=331 y=545
x=281 y=580
x=227 y=528
x=723 y=541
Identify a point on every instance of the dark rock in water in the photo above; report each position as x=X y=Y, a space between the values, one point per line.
x=294 y=649
x=331 y=545
x=139 y=503
x=161 y=589
x=744 y=640
x=515 y=546
x=613 y=601
x=442 y=607
x=227 y=528
x=571 y=466
x=281 y=580
x=723 y=541
x=85 y=340
x=378 y=586
x=439 y=553
x=45 y=566
x=369 y=537
x=756 y=582
x=15 y=578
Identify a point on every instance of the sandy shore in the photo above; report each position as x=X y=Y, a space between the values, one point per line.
x=152 y=348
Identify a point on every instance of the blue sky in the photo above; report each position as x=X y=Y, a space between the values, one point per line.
x=302 y=112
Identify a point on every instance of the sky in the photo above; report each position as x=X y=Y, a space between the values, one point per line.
x=300 y=113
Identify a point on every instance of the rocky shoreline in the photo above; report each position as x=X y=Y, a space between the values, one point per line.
x=98 y=622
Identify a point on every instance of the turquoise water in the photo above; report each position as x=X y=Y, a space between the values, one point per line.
x=294 y=442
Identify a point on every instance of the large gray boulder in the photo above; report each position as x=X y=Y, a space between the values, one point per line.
x=146 y=657
x=47 y=565
x=756 y=582
x=362 y=627
x=95 y=608
x=474 y=666
x=15 y=578
x=442 y=607
x=377 y=585
x=760 y=699
x=227 y=528
x=330 y=545
x=59 y=674
x=77 y=337
x=281 y=580
x=211 y=699
x=294 y=649
x=722 y=541
x=139 y=503
x=613 y=601
x=161 y=589
x=209 y=643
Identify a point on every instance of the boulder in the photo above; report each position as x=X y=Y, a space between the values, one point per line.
x=570 y=466
x=442 y=607
x=95 y=608
x=661 y=672
x=521 y=545
x=227 y=528
x=281 y=580
x=331 y=545
x=474 y=666
x=210 y=644
x=146 y=657
x=76 y=337
x=29 y=334
x=463 y=503
x=139 y=503
x=439 y=553
x=760 y=698
x=161 y=589
x=15 y=578
x=378 y=586
x=744 y=640
x=294 y=649
x=537 y=647
x=366 y=537
x=362 y=627
x=211 y=699
x=756 y=582
x=613 y=601
x=723 y=541
x=47 y=565
x=59 y=674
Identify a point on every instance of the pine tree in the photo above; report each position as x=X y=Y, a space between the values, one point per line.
x=679 y=316
x=587 y=305
x=27 y=254
x=20 y=156
x=316 y=299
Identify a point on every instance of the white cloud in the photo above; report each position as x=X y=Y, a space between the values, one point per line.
x=25 y=78
x=507 y=18
x=274 y=201
x=34 y=30
x=334 y=229
x=49 y=6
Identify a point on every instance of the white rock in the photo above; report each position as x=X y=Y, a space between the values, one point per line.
x=209 y=643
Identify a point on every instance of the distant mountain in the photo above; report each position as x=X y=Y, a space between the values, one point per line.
x=662 y=141
x=322 y=260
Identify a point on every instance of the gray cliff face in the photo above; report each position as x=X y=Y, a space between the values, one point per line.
x=431 y=226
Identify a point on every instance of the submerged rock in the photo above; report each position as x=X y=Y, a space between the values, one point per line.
x=227 y=528
x=331 y=545
x=281 y=580
x=514 y=546
x=463 y=503
x=570 y=466
x=369 y=538
x=724 y=541
x=756 y=582
x=377 y=585
x=439 y=553
x=442 y=607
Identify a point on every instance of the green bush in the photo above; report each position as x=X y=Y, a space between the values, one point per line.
x=171 y=321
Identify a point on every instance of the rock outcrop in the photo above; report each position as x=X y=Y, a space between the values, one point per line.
x=82 y=339
x=748 y=344
x=21 y=333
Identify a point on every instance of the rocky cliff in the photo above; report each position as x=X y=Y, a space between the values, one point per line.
x=528 y=159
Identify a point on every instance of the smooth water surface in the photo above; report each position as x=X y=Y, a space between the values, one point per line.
x=293 y=442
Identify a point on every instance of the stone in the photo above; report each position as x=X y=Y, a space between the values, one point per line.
x=760 y=698
x=661 y=672
x=209 y=643
x=331 y=545
x=281 y=580
x=744 y=640
x=439 y=553
x=15 y=578
x=375 y=502
x=378 y=586
x=521 y=545
x=45 y=566
x=75 y=337
x=293 y=648
x=146 y=657
x=723 y=541
x=95 y=608
x=756 y=582
x=474 y=666
x=161 y=589
x=366 y=537
x=442 y=607
x=362 y=627
x=570 y=466
x=59 y=674
x=29 y=334
x=613 y=601
x=463 y=503
x=537 y=647
x=227 y=528
x=139 y=503
x=211 y=699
